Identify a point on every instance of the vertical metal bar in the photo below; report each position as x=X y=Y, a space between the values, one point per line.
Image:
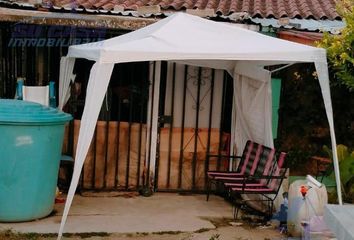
x=24 y=60
x=49 y=76
x=11 y=67
x=7 y=70
x=3 y=56
x=106 y=140
x=17 y=53
x=181 y=151
x=139 y=148
x=44 y=70
x=1 y=62
x=28 y=59
x=117 y=145
x=39 y=66
x=3 y=69
x=116 y=170
x=36 y=80
x=206 y=167
x=34 y=64
x=5 y=63
x=129 y=134
x=151 y=115
x=94 y=159
x=161 y=88
x=4 y=72
x=14 y=74
x=2 y=46
x=225 y=83
x=142 y=106
x=157 y=162
x=171 y=125
x=18 y=61
x=196 y=129
x=8 y=60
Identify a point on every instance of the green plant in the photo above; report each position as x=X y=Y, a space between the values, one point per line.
x=340 y=48
x=342 y=151
x=346 y=168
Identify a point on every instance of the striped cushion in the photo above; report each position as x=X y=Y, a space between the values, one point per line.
x=230 y=178
x=247 y=184
x=216 y=174
x=245 y=190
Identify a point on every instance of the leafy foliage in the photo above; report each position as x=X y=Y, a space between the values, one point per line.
x=346 y=168
x=340 y=48
x=302 y=118
x=303 y=125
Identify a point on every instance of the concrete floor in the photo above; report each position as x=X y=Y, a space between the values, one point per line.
x=183 y=216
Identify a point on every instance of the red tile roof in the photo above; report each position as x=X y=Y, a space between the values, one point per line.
x=306 y=9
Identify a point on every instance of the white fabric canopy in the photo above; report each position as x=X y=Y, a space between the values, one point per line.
x=66 y=76
x=195 y=41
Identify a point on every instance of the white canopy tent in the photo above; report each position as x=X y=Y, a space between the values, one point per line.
x=195 y=41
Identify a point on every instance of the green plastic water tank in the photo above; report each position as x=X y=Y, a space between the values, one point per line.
x=31 y=137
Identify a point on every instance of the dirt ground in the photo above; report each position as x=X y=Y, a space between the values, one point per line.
x=163 y=216
x=225 y=229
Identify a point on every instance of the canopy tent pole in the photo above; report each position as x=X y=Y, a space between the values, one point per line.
x=281 y=68
x=152 y=122
x=322 y=73
x=233 y=149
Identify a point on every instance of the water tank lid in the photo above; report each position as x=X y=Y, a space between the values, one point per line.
x=17 y=111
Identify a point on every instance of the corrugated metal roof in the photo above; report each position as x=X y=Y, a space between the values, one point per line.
x=77 y=20
x=332 y=26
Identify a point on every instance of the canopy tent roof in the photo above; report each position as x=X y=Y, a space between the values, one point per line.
x=199 y=42
x=184 y=36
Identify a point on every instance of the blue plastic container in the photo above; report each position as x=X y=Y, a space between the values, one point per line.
x=31 y=137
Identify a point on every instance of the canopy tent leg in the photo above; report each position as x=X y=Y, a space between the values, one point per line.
x=152 y=122
x=322 y=72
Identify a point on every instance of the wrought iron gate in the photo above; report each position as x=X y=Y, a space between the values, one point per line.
x=194 y=123
x=116 y=157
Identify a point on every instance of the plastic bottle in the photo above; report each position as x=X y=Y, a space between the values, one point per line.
x=20 y=82
x=52 y=98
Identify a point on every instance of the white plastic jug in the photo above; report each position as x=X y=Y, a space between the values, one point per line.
x=302 y=209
